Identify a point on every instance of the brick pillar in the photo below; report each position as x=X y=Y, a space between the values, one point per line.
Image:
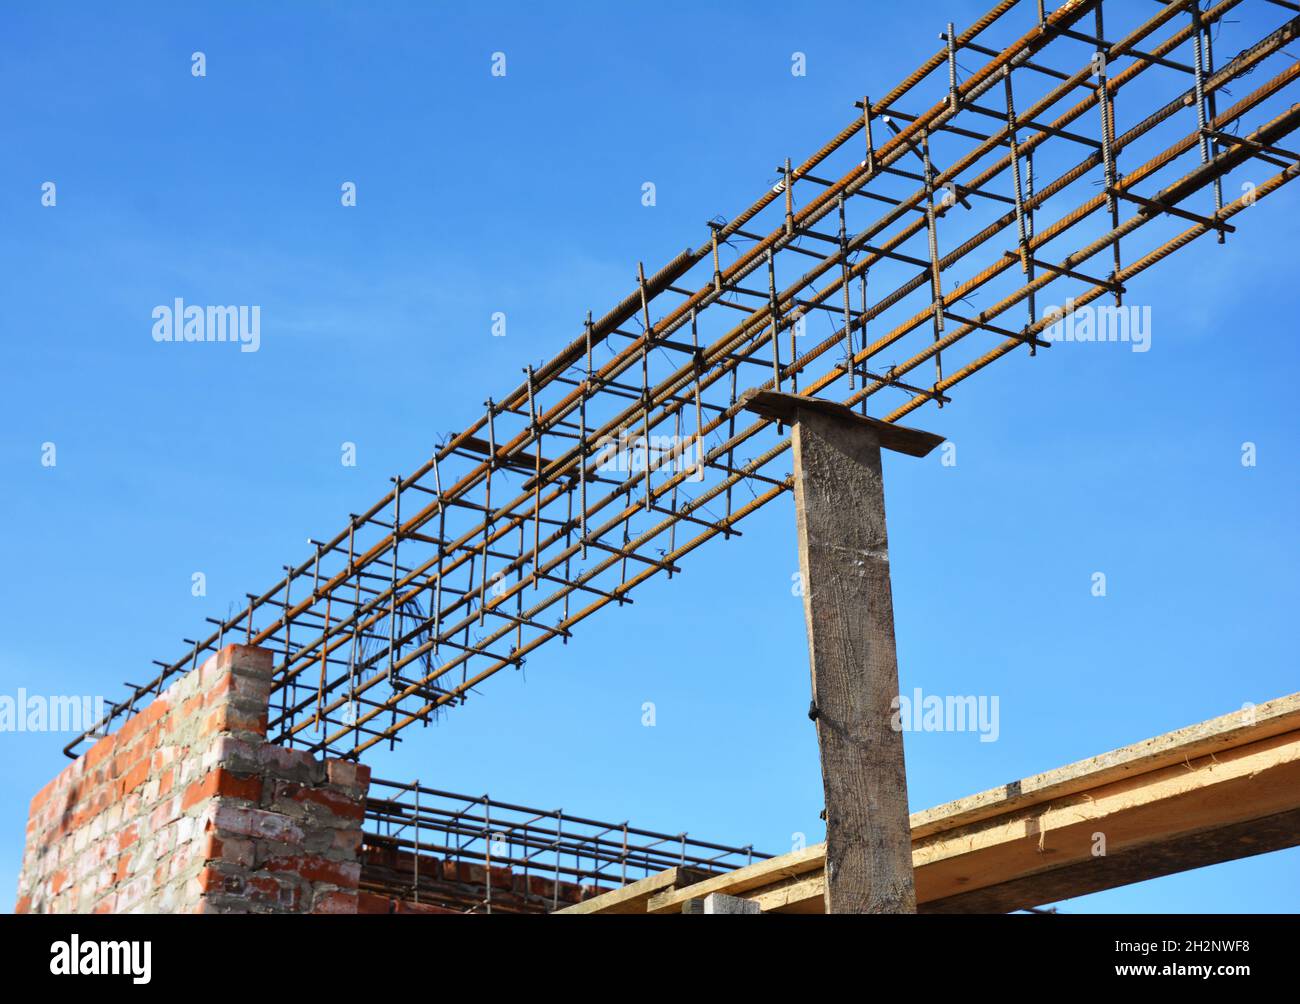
x=187 y=809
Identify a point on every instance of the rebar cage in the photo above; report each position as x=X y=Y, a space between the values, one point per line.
x=913 y=249
x=559 y=848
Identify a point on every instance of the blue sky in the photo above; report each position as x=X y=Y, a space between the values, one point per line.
x=523 y=194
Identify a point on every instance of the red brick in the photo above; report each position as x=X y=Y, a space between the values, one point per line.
x=268 y=887
x=140 y=723
x=347 y=841
x=98 y=753
x=246 y=659
x=407 y=906
x=134 y=777
x=343 y=806
x=153 y=714
x=257 y=823
x=222 y=783
x=219 y=687
x=190 y=708
x=128 y=731
x=264 y=889
x=346 y=774
x=123 y=761
x=45 y=794
x=212 y=880
x=315 y=868
x=368 y=902
x=232 y=850
x=167 y=811
x=230 y=719
x=148 y=742
x=335 y=902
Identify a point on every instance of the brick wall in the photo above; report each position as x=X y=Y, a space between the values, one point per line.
x=187 y=808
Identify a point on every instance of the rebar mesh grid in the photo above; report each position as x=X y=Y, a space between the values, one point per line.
x=631 y=448
x=550 y=845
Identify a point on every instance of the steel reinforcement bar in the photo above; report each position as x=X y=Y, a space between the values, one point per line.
x=1031 y=175
x=423 y=822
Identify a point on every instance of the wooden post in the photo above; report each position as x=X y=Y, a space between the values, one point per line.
x=848 y=607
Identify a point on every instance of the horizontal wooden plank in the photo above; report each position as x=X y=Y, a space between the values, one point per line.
x=1268 y=719
x=1214 y=791
x=1148 y=861
x=1054 y=850
x=632 y=897
x=748 y=877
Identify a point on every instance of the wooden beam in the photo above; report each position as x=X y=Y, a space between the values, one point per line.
x=1228 y=731
x=1119 y=832
x=760 y=875
x=786 y=408
x=1136 y=864
x=632 y=898
x=1216 y=791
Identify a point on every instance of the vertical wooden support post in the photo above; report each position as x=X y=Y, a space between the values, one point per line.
x=848 y=606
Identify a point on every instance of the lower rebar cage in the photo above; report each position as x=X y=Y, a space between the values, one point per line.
x=1062 y=157
x=435 y=851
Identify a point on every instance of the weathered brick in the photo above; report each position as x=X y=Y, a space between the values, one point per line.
x=315 y=868
x=258 y=823
x=166 y=811
x=368 y=902
x=222 y=783
x=133 y=778
x=339 y=804
x=334 y=901
x=247 y=660
x=214 y=879
x=407 y=906
x=98 y=753
x=347 y=842
x=189 y=709
x=228 y=718
x=345 y=773
x=232 y=850
x=267 y=891
x=43 y=796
